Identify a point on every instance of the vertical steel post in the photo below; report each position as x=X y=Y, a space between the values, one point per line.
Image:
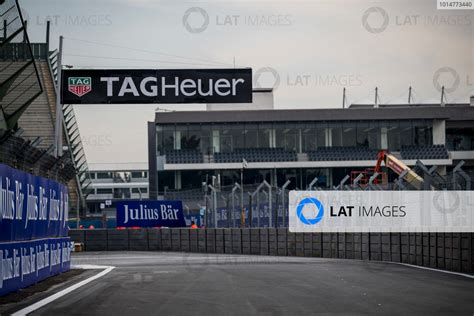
x=58 y=139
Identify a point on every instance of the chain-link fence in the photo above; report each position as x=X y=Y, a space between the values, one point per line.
x=267 y=206
x=23 y=154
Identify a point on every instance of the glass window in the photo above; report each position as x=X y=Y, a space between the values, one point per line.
x=374 y=135
x=168 y=137
x=251 y=135
x=393 y=136
x=159 y=139
x=122 y=193
x=138 y=190
x=460 y=139
x=349 y=134
x=138 y=174
x=194 y=137
x=225 y=138
x=287 y=136
x=422 y=134
x=363 y=134
x=264 y=135
x=321 y=135
x=237 y=133
x=206 y=139
x=104 y=191
x=104 y=175
x=406 y=133
x=309 y=136
x=336 y=134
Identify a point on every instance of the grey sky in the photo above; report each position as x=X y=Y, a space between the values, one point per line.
x=314 y=47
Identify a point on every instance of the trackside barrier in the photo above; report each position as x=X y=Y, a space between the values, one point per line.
x=448 y=251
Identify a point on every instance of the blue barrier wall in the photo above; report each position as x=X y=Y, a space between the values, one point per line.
x=24 y=263
x=31 y=207
x=33 y=229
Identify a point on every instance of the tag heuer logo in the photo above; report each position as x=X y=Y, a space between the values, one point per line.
x=79 y=85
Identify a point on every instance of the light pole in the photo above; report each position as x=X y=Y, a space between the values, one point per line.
x=242 y=214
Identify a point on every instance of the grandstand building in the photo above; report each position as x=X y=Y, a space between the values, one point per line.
x=111 y=183
x=187 y=149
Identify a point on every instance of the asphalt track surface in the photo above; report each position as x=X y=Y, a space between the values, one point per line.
x=152 y=283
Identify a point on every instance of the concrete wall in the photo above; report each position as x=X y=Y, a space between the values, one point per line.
x=448 y=251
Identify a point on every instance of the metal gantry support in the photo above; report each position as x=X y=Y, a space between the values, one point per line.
x=285 y=209
x=233 y=196
x=464 y=175
x=214 y=203
x=256 y=194
x=356 y=180
x=341 y=184
x=312 y=184
x=371 y=181
x=400 y=181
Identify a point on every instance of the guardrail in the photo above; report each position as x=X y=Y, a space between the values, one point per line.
x=448 y=251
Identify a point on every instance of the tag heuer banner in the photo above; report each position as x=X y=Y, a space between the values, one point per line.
x=381 y=211
x=91 y=86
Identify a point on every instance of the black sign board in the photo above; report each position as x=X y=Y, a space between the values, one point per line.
x=91 y=86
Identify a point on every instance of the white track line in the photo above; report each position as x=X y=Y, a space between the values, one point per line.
x=66 y=291
x=470 y=276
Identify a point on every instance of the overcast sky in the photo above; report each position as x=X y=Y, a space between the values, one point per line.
x=308 y=50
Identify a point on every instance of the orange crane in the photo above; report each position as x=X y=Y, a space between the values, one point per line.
x=398 y=167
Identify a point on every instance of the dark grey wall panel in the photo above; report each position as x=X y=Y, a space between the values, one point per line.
x=154 y=239
x=138 y=239
x=95 y=240
x=117 y=239
x=449 y=251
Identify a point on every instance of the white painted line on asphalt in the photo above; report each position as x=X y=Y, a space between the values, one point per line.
x=470 y=276
x=49 y=299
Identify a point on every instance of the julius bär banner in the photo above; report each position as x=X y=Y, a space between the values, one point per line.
x=150 y=213
x=23 y=263
x=381 y=211
x=30 y=206
x=119 y=86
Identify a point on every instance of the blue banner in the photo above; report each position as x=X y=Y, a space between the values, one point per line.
x=31 y=207
x=23 y=263
x=150 y=214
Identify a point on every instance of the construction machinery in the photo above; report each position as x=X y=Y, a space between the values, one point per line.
x=380 y=177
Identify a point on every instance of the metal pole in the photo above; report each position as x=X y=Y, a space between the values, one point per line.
x=344 y=98
x=242 y=212
x=58 y=139
x=78 y=212
x=285 y=213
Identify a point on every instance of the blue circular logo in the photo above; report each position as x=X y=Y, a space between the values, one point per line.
x=315 y=202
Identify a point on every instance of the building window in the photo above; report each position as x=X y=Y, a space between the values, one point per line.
x=104 y=191
x=138 y=174
x=460 y=139
x=104 y=175
x=336 y=134
x=349 y=134
x=393 y=136
x=138 y=190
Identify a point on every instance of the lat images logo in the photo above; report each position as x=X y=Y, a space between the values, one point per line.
x=310 y=201
x=79 y=85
